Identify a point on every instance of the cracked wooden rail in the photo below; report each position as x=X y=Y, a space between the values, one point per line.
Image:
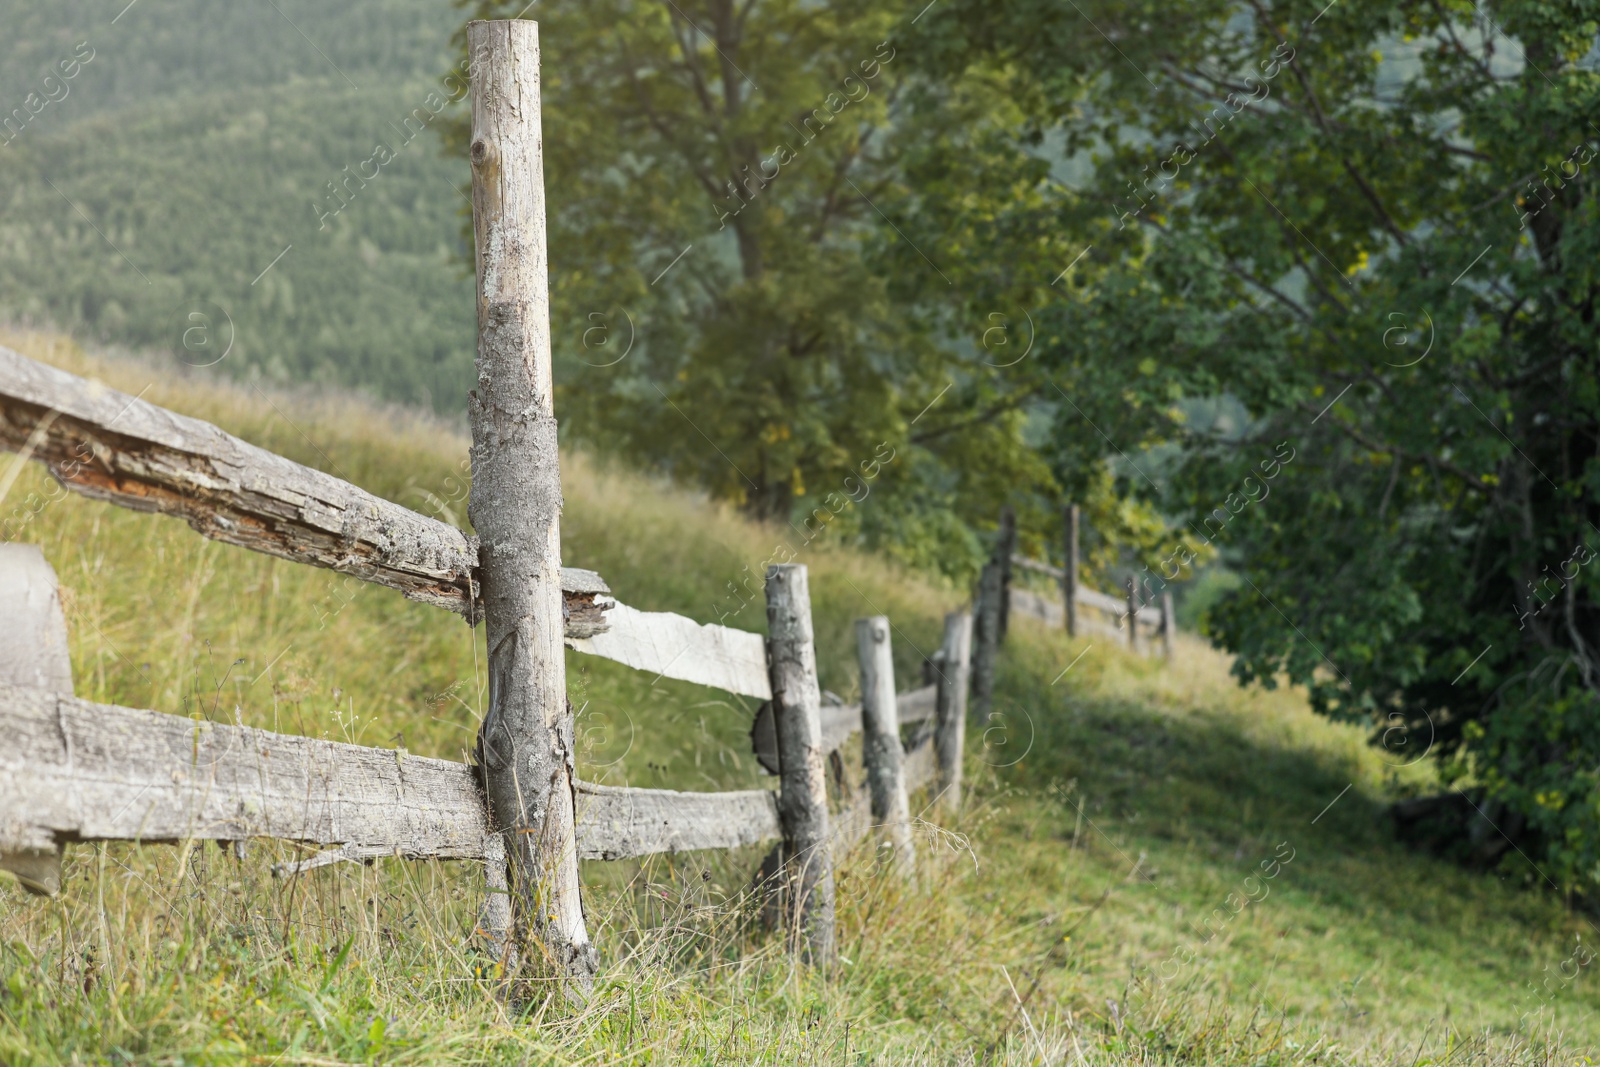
x=123 y=450
x=74 y=770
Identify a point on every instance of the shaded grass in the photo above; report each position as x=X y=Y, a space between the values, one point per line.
x=1060 y=916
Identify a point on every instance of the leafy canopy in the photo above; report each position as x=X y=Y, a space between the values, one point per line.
x=723 y=183
x=1374 y=225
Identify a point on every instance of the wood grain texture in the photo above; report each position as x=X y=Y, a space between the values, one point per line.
x=526 y=740
x=880 y=742
x=33 y=655
x=117 y=448
x=803 y=800
x=616 y=823
x=33 y=639
x=855 y=820
x=74 y=770
x=672 y=646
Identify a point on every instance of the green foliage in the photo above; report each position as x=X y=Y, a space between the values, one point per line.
x=721 y=175
x=1373 y=224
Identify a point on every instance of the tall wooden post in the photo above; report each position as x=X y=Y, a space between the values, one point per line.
x=950 y=723
x=33 y=654
x=1169 y=625
x=1133 y=614
x=1069 y=576
x=987 y=638
x=525 y=745
x=1006 y=548
x=803 y=783
x=880 y=741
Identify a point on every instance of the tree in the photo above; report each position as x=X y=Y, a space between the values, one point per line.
x=1373 y=225
x=719 y=179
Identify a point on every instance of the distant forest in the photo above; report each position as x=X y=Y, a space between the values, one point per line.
x=120 y=217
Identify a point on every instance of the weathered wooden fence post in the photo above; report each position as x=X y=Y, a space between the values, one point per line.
x=880 y=741
x=1133 y=614
x=1069 y=577
x=33 y=653
x=1169 y=625
x=950 y=722
x=803 y=796
x=1007 y=547
x=987 y=637
x=526 y=741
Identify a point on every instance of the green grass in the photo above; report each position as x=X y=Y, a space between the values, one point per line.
x=1054 y=920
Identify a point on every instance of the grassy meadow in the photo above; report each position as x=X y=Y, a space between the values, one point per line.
x=1154 y=866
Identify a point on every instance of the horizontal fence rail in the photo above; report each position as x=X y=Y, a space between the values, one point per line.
x=672 y=646
x=123 y=450
x=1051 y=610
x=75 y=770
x=620 y=823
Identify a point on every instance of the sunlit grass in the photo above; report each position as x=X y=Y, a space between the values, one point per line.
x=1059 y=918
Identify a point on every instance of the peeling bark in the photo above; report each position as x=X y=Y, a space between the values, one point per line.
x=526 y=741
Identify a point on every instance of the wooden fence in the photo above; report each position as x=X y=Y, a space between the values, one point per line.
x=79 y=771
x=1107 y=615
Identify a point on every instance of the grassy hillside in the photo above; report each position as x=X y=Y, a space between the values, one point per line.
x=1062 y=917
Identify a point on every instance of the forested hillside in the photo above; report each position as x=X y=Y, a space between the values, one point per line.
x=195 y=142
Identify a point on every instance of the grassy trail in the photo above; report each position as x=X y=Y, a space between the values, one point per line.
x=1154 y=865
